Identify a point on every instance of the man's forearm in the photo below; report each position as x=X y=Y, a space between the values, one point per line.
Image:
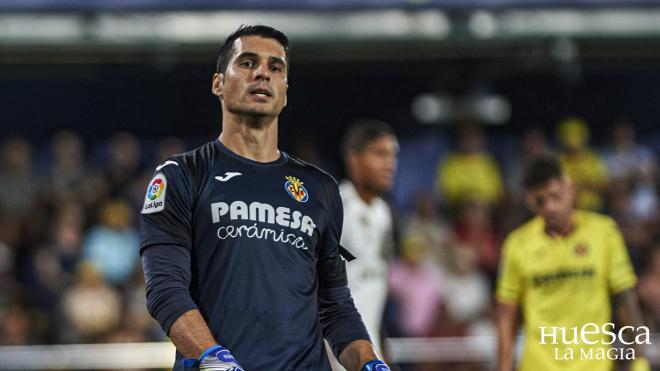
x=506 y=328
x=191 y=335
x=356 y=354
x=504 y=352
x=629 y=314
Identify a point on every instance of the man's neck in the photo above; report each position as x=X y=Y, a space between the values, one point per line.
x=364 y=194
x=562 y=230
x=253 y=139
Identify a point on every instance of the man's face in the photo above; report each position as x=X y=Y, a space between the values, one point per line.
x=255 y=82
x=553 y=201
x=375 y=166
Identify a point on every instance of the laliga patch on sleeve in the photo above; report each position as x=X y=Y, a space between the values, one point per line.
x=154 y=200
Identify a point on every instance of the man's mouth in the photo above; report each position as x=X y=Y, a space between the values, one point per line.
x=261 y=92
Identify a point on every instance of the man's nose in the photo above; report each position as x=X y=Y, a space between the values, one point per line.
x=262 y=72
x=551 y=207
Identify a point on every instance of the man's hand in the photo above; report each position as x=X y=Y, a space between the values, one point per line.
x=217 y=358
x=358 y=354
x=375 y=365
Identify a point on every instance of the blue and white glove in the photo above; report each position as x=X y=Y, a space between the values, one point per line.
x=218 y=358
x=375 y=365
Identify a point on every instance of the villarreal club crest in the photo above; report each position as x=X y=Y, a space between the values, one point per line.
x=294 y=187
x=581 y=249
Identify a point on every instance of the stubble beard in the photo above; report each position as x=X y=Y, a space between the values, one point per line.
x=257 y=118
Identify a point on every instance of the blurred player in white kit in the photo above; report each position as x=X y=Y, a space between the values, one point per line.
x=370 y=151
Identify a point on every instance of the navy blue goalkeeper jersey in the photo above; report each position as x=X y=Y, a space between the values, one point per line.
x=263 y=238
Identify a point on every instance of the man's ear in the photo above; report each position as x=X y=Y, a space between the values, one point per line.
x=571 y=188
x=351 y=162
x=529 y=201
x=218 y=84
x=286 y=96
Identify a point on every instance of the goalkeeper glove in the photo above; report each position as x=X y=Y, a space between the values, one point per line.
x=375 y=365
x=216 y=358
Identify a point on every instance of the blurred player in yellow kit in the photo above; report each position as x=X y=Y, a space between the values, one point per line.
x=563 y=270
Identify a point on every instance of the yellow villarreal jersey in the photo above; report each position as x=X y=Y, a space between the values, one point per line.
x=564 y=282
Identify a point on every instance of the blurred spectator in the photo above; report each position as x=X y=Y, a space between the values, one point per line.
x=533 y=142
x=7 y=258
x=137 y=323
x=649 y=290
x=583 y=165
x=135 y=191
x=17 y=190
x=474 y=229
x=95 y=189
x=427 y=223
x=469 y=173
x=90 y=306
x=638 y=236
x=167 y=147
x=15 y=326
x=9 y=231
x=113 y=244
x=416 y=286
x=468 y=290
x=632 y=169
x=55 y=261
x=6 y=267
x=124 y=162
x=67 y=171
x=306 y=146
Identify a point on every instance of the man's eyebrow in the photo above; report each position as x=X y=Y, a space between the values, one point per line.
x=277 y=60
x=271 y=59
x=247 y=55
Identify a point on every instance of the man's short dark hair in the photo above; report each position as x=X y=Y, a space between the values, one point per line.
x=249 y=30
x=362 y=132
x=542 y=169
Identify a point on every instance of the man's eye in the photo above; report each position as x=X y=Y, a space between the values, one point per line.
x=275 y=68
x=247 y=63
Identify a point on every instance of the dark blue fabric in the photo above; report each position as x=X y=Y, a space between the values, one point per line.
x=341 y=322
x=167 y=277
x=260 y=244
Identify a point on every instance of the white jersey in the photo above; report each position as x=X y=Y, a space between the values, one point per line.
x=367 y=234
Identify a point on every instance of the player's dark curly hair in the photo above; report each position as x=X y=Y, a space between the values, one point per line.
x=542 y=169
x=362 y=132
x=249 y=30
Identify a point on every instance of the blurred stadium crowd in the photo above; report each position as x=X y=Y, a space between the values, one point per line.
x=69 y=231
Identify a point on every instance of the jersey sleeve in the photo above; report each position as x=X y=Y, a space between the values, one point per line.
x=621 y=275
x=509 y=280
x=331 y=266
x=167 y=275
x=167 y=210
x=341 y=323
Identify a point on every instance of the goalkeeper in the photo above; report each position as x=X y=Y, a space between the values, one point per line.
x=240 y=241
